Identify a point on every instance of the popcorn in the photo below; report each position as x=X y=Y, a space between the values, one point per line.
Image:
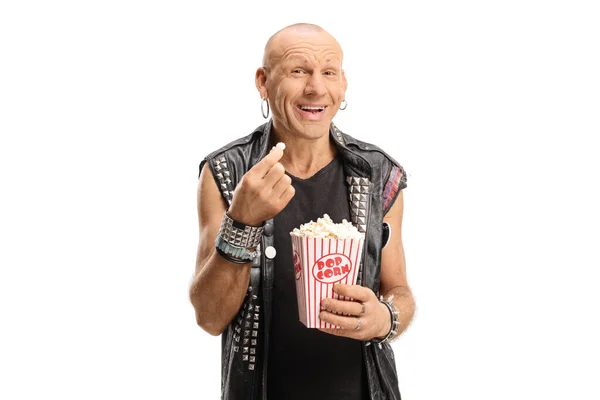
x=280 y=145
x=325 y=254
x=325 y=228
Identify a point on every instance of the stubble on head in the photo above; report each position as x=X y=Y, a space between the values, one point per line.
x=274 y=48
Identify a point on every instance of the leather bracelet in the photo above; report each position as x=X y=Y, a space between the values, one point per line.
x=395 y=321
x=240 y=253
x=239 y=234
x=230 y=258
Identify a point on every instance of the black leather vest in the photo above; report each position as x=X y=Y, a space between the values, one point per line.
x=245 y=342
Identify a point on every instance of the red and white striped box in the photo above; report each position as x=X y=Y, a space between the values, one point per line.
x=318 y=265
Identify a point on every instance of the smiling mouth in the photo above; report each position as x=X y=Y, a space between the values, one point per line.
x=312 y=109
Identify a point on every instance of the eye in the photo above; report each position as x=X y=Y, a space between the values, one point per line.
x=297 y=71
x=329 y=73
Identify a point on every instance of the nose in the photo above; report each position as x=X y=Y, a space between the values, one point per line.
x=315 y=85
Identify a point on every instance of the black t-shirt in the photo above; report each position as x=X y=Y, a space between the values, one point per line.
x=308 y=364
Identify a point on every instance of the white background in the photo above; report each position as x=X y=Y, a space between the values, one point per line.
x=106 y=109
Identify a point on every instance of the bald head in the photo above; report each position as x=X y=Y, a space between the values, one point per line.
x=292 y=33
x=302 y=80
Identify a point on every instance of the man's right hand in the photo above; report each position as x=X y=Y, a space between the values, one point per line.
x=262 y=192
x=219 y=286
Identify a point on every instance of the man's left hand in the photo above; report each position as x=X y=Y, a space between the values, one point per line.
x=367 y=317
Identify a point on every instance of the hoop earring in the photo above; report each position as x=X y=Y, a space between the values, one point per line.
x=262 y=108
x=345 y=105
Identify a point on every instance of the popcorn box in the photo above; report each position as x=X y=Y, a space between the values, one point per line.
x=319 y=264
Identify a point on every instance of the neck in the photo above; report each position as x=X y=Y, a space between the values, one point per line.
x=305 y=157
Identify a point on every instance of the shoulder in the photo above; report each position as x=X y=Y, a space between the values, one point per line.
x=390 y=175
x=370 y=150
x=375 y=155
x=238 y=152
x=229 y=163
x=241 y=143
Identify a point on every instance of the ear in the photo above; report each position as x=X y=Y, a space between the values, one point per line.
x=261 y=82
x=344 y=81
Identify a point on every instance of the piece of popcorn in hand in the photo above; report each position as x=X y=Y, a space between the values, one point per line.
x=280 y=145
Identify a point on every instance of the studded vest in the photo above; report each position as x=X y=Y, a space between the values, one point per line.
x=374 y=180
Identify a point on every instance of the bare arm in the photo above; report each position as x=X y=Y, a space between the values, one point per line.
x=393 y=266
x=219 y=286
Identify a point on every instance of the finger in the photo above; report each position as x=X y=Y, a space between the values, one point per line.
x=287 y=195
x=281 y=186
x=343 y=306
x=276 y=172
x=356 y=292
x=339 y=320
x=341 y=332
x=263 y=166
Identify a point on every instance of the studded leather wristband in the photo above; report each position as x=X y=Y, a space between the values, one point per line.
x=239 y=234
x=242 y=254
x=394 y=318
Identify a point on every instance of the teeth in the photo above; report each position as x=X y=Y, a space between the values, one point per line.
x=312 y=108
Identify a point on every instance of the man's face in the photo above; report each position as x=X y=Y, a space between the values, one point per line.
x=305 y=82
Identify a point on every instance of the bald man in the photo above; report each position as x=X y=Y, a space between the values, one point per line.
x=251 y=194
